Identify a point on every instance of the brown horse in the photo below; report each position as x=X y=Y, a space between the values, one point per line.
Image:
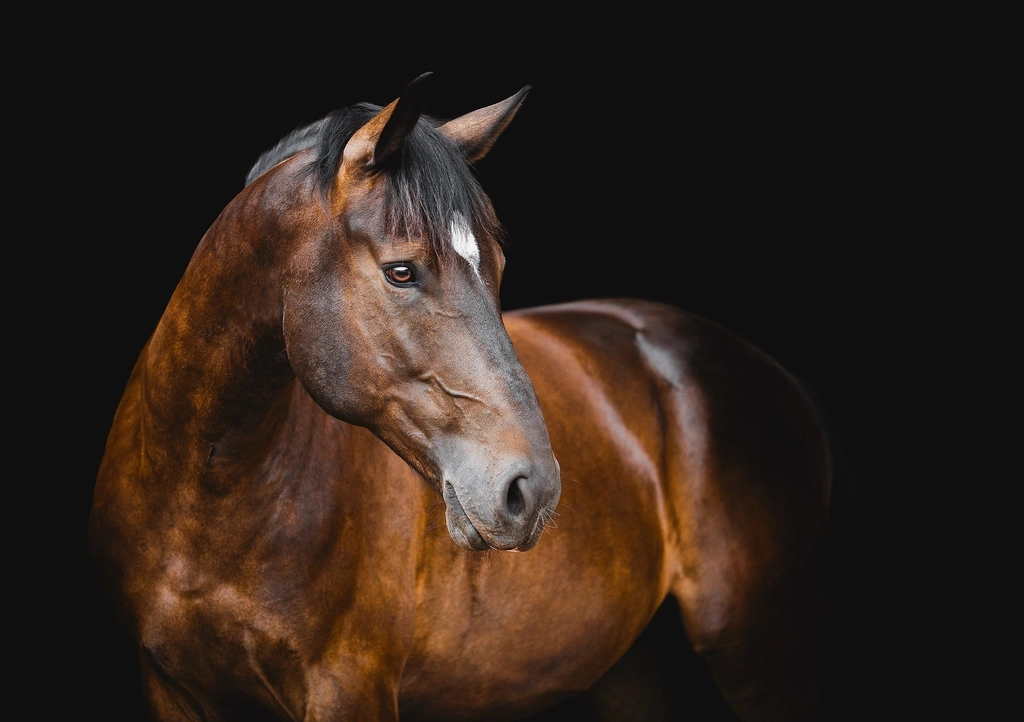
x=333 y=374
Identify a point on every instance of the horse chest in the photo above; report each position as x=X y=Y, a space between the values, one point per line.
x=224 y=648
x=507 y=634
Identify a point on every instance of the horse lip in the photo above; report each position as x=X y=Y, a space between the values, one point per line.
x=469 y=538
x=534 y=536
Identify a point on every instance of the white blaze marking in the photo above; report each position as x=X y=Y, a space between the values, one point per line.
x=464 y=243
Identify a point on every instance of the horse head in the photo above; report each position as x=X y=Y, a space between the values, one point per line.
x=392 y=318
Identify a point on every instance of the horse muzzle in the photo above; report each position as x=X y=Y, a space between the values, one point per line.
x=507 y=514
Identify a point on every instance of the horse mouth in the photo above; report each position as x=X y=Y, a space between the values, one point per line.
x=466 y=534
x=461 y=529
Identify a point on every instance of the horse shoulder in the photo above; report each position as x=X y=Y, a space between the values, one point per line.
x=742 y=458
x=267 y=601
x=744 y=481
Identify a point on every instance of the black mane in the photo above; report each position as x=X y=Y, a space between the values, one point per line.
x=428 y=186
x=296 y=141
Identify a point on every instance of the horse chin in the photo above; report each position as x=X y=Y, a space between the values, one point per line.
x=460 y=527
x=464 y=533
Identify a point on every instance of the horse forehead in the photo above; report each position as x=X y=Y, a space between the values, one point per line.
x=369 y=222
x=464 y=242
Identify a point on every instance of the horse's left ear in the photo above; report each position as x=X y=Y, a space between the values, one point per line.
x=476 y=132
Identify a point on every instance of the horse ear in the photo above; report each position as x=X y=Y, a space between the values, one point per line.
x=381 y=138
x=476 y=132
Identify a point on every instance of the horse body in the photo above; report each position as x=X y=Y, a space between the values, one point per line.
x=261 y=518
x=709 y=483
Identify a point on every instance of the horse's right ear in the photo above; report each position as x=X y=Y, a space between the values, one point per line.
x=377 y=142
x=476 y=132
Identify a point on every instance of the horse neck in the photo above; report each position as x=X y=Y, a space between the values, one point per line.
x=216 y=378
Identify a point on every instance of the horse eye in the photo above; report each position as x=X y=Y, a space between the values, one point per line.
x=400 y=275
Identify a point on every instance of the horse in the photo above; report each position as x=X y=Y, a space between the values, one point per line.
x=333 y=376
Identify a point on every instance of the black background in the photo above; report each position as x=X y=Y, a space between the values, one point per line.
x=783 y=185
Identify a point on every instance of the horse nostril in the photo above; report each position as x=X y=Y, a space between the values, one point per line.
x=514 y=501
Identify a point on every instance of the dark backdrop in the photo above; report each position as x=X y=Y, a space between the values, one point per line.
x=772 y=188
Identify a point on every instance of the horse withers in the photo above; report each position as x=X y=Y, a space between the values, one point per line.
x=333 y=376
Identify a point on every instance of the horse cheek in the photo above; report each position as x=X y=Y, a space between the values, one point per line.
x=320 y=359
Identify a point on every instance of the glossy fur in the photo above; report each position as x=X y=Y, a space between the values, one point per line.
x=325 y=496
